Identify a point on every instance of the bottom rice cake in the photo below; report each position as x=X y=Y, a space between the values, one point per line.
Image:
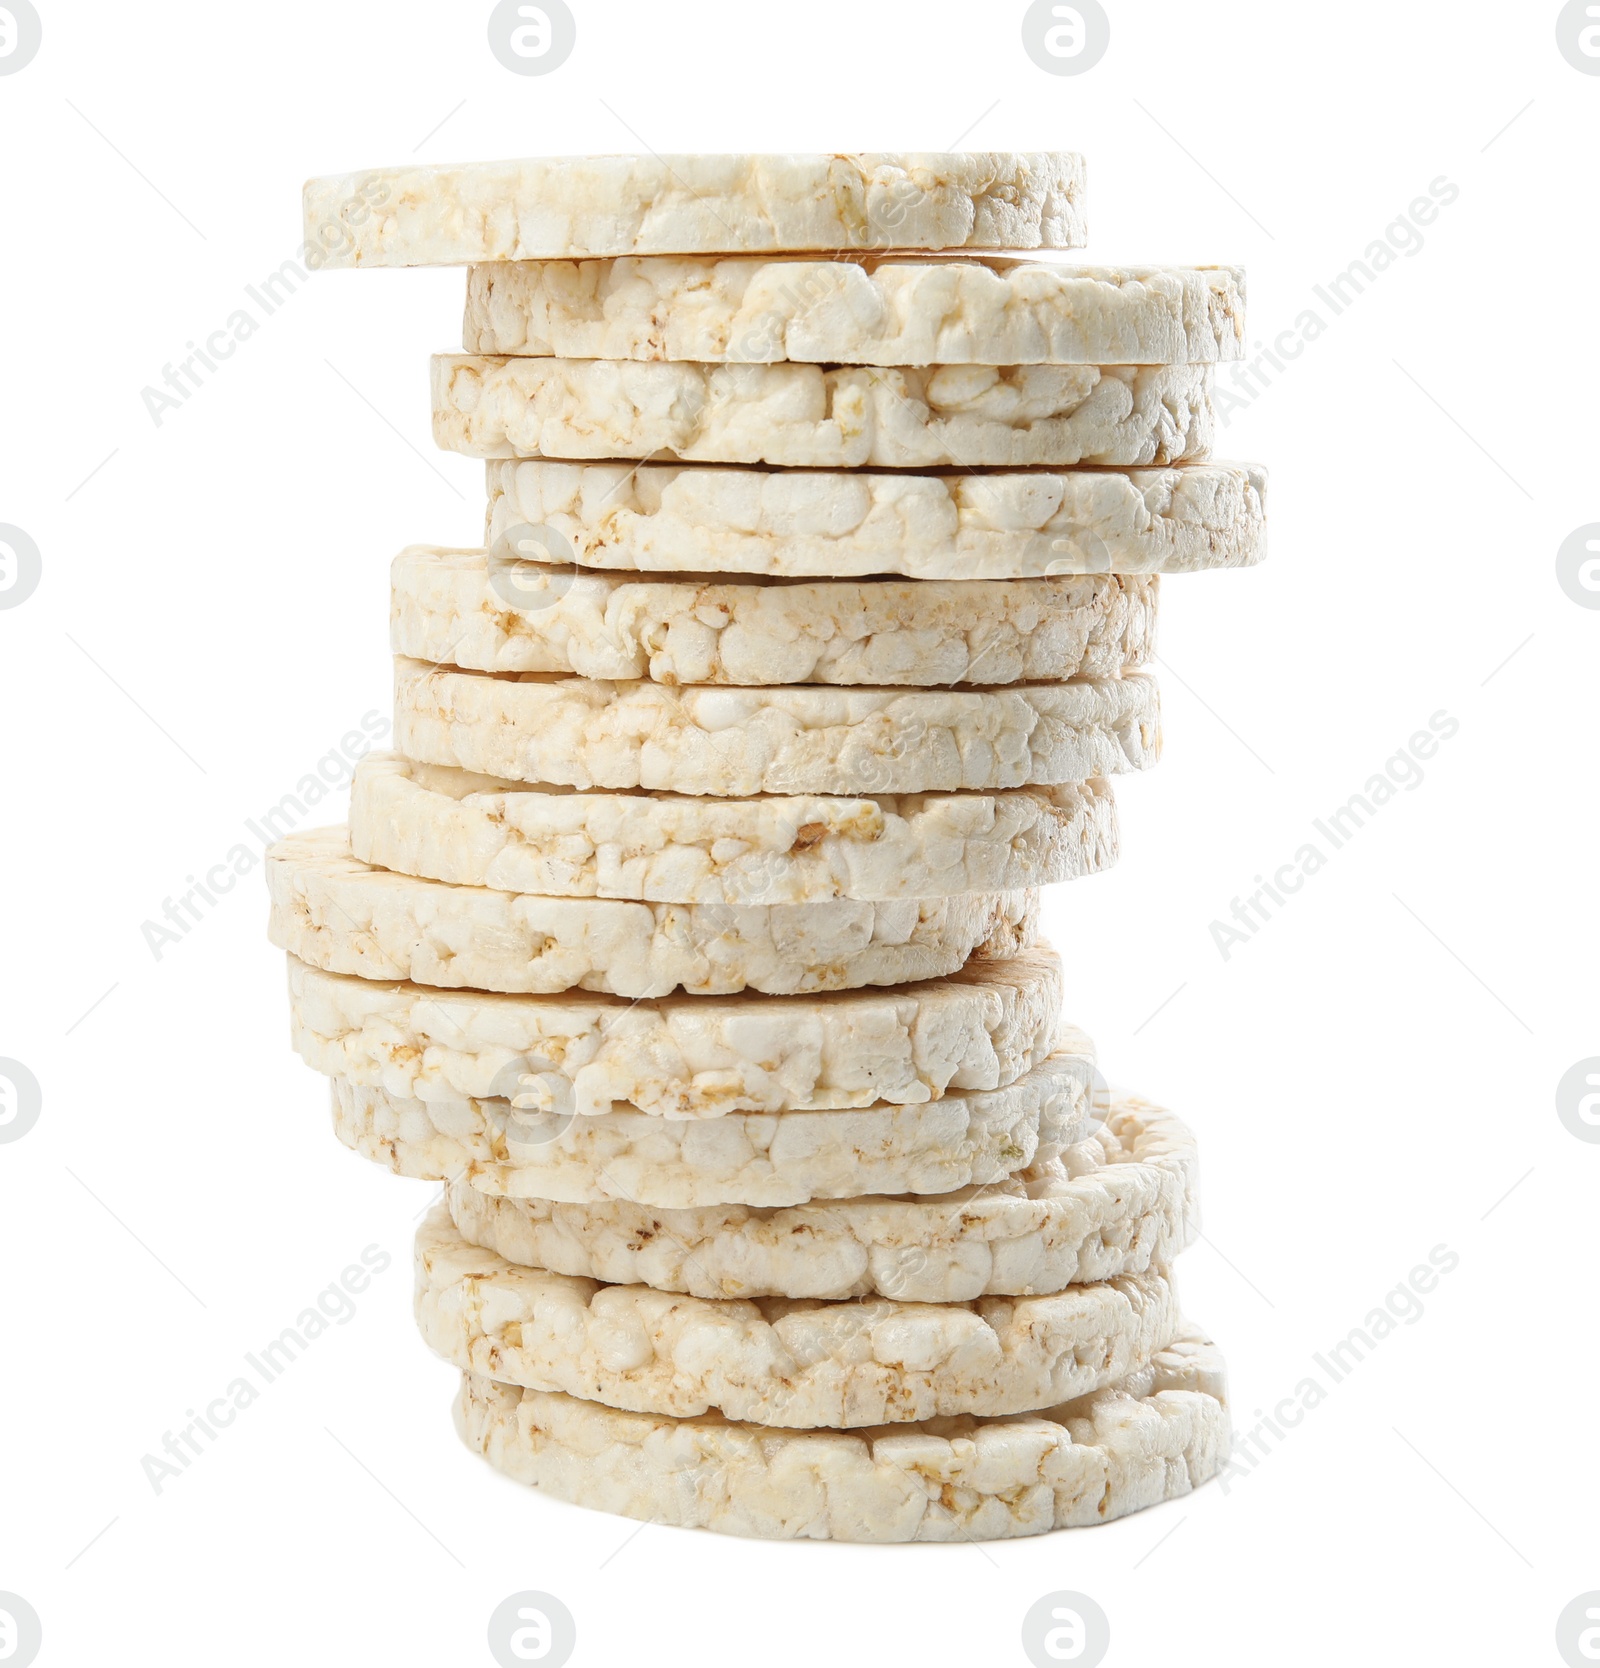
x=1156 y=1435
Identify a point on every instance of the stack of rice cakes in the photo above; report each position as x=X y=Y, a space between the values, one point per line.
x=690 y=938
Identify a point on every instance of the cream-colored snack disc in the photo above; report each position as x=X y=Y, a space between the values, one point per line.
x=659 y=518
x=491 y=613
x=812 y=417
x=331 y=910
x=1152 y=1437
x=967 y=1138
x=451 y=825
x=1123 y=1201
x=553 y=208
x=780 y=1361
x=684 y=1056
x=535 y=727
x=745 y=310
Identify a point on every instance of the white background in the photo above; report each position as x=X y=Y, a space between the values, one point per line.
x=1370 y=1075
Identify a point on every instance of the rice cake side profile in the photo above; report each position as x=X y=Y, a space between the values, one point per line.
x=1155 y=1436
x=873 y=311
x=441 y=823
x=665 y=518
x=816 y=417
x=331 y=910
x=550 y=208
x=685 y=1056
x=805 y=739
x=1122 y=1201
x=488 y=612
x=966 y=1138
x=779 y=1361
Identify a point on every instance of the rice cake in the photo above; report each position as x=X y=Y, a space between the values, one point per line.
x=1122 y=1201
x=665 y=518
x=493 y=613
x=332 y=911
x=803 y=739
x=966 y=1138
x=778 y=1361
x=550 y=208
x=1152 y=1437
x=685 y=1056
x=868 y=311
x=813 y=417
x=470 y=830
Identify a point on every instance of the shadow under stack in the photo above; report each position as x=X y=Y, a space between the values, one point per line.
x=690 y=938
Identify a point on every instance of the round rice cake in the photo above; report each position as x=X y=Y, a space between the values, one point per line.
x=498 y=612
x=868 y=311
x=795 y=739
x=780 y=1361
x=451 y=825
x=666 y=518
x=817 y=417
x=553 y=208
x=1122 y=1201
x=1151 y=1437
x=333 y=911
x=966 y=1138
x=684 y=1056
